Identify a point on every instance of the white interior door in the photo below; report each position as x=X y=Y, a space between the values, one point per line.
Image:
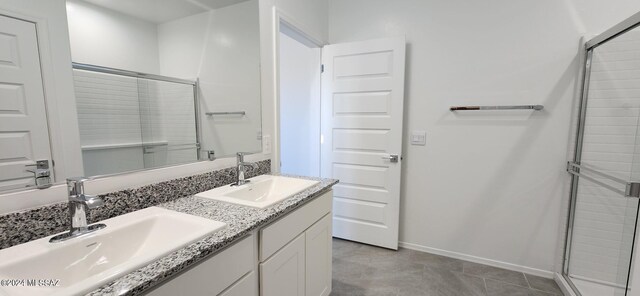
x=362 y=110
x=24 y=136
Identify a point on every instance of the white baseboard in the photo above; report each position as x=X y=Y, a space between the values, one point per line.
x=475 y=259
x=564 y=286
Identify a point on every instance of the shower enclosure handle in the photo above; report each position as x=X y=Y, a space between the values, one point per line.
x=632 y=189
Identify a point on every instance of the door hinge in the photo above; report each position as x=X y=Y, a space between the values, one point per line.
x=322 y=68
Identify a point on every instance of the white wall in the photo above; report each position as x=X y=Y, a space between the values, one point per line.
x=487 y=186
x=182 y=44
x=103 y=37
x=299 y=107
x=227 y=63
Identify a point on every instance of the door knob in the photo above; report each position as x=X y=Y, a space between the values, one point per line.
x=392 y=158
x=41 y=174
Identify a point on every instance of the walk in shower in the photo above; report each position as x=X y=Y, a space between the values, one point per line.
x=606 y=166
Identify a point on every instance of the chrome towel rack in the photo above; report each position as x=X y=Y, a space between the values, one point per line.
x=227 y=113
x=512 y=107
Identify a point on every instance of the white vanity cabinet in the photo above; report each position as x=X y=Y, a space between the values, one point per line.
x=295 y=252
x=289 y=257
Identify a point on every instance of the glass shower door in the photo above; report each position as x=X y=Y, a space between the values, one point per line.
x=604 y=204
x=131 y=121
x=168 y=120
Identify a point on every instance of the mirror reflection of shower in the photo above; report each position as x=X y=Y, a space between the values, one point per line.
x=130 y=122
x=217 y=45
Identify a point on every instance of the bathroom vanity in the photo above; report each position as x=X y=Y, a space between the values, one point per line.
x=190 y=245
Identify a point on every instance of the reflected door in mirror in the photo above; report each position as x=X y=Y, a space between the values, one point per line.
x=24 y=136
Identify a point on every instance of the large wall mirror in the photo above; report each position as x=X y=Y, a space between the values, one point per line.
x=158 y=83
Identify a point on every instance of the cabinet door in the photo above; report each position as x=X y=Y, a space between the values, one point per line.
x=318 y=254
x=284 y=273
x=246 y=286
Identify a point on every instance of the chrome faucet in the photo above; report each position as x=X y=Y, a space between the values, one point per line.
x=240 y=169
x=79 y=204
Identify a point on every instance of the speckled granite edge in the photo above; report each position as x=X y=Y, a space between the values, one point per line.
x=240 y=221
x=21 y=227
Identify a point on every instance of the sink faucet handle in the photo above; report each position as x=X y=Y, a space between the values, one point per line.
x=78 y=179
x=75 y=185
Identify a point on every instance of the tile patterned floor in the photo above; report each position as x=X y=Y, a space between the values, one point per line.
x=360 y=270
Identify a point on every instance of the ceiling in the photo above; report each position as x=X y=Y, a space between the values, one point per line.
x=162 y=11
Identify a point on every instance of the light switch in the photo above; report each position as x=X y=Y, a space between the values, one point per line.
x=419 y=138
x=266 y=144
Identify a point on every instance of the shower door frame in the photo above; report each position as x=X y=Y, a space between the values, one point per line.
x=617 y=30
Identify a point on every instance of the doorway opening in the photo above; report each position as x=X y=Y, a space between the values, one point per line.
x=299 y=84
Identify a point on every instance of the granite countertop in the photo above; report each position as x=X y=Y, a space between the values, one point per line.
x=240 y=220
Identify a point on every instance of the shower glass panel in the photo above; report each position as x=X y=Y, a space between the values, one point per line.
x=604 y=211
x=109 y=122
x=168 y=121
x=129 y=123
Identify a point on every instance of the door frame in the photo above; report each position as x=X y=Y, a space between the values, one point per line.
x=59 y=97
x=587 y=54
x=281 y=19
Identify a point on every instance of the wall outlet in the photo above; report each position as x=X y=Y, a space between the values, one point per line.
x=419 y=138
x=266 y=144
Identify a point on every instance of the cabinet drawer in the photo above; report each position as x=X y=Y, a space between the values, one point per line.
x=214 y=274
x=279 y=233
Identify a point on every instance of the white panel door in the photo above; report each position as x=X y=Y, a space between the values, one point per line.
x=24 y=136
x=362 y=110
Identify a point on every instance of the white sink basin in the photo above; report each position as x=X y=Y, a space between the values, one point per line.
x=85 y=263
x=263 y=191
